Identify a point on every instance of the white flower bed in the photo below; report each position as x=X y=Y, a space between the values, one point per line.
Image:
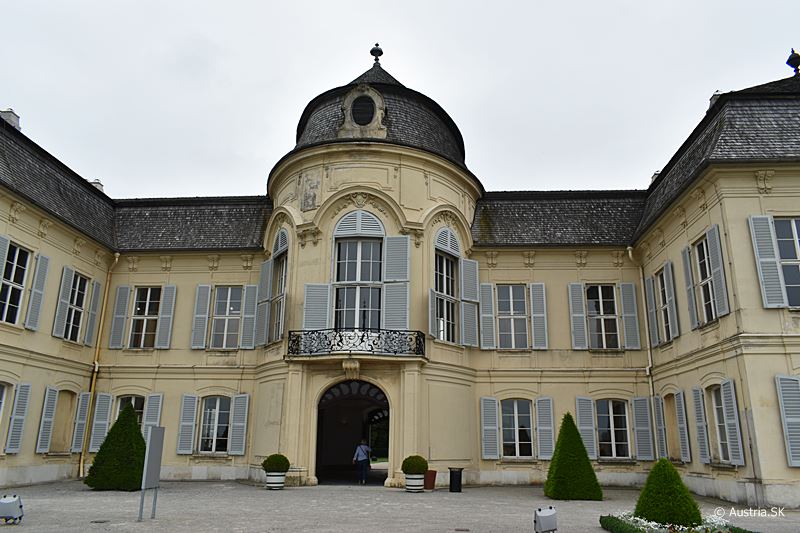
x=711 y=524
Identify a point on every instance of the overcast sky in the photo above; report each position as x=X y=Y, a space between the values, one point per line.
x=190 y=98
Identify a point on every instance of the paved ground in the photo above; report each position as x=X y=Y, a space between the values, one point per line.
x=231 y=507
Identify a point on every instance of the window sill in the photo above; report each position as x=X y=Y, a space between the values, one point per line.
x=212 y=456
x=677 y=462
x=447 y=343
x=222 y=352
x=709 y=326
x=138 y=351
x=616 y=460
x=518 y=461
x=56 y=455
x=606 y=352
x=666 y=345
x=271 y=344
x=72 y=345
x=16 y=329
x=723 y=466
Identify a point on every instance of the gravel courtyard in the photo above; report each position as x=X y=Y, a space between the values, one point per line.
x=232 y=506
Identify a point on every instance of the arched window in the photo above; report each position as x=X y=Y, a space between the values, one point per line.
x=215 y=424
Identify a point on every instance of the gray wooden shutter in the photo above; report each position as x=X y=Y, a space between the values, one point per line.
x=22 y=396
x=490 y=434
x=37 y=293
x=81 y=415
x=470 y=296
x=316 y=306
x=652 y=314
x=152 y=413
x=94 y=309
x=701 y=425
x=717 y=270
x=166 y=310
x=395 y=306
x=263 y=307
x=643 y=429
x=469 y=280
x=672 y=309
x=469 y=324
x=432 y=329
x=689 y=281
x=683 y=427
x=789 y=402
x=584 y=415
x=770 y=273
x=46 y=422
x=4 y=244
x=661 y=430
x=187 y=423
x=487 y=317
x=248 y=338
x=116 y=341
x=545 y=427
x=538 y=316
x=630 y=316
x=202 y=300
x=60 y=322
x=395 y=276
x=238 y=424
x=396 y=258
x=577 y=313
x=732 y=430
x=100 y=421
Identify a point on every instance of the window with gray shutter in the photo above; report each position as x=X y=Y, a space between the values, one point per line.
x=652 y=317
x=789 y=403
x=683 y=428
x=470 y=296
x=316 y=306
x=642 y=429
x=672 y=309
x=19 y=412
x=577 y=313
x=469 y=324
x=100 y=420
x=264 y=297
x=661 y=430
x=689 y=283
x=187 y=422
x=60 y=322
x=701 y=425
x=152 y=413
x=432 y=329
x=46 y=422
x=717 y=271
x=117 y=338
x=395 y=306
x=239 y=424
x=202 y=299
x=770 y=274
x=538 y=297
x=165 y=313
x=490 y=435
x=585 y=420
x=81 y=415
x=249 y=317
x=487 y=326
x=732 y=428
x=37 y=293
x=395 y=276
x=545 y=427
x=630 y=316
x=469 y=280
x=94 y=309
x=396 y=258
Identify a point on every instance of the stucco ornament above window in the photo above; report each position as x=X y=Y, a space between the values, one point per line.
x=363 y=109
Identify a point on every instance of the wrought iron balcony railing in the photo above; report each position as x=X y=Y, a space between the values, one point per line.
x=360 y=341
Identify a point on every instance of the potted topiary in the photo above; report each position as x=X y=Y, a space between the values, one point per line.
x=414 y=467
x=275 y=466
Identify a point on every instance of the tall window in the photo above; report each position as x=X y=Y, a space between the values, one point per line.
x=787 y=230
x=77 y=302
x=137 y=402
x=227 y=317
x=612 y=428
x=145 y=317
x=517 y=428
x=215 y=424
x=602 y=316
x=719 y=424
x=358 y=284
x=445 y=286
x=13 y=285
x=705 y=285
x=278 y=297
x=512 y=320
x=662 y=305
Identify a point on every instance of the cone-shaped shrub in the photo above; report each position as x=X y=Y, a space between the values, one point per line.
x=665 y=499
x=119 y=462
x=571 y=476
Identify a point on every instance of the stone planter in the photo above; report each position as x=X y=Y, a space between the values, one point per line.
x=415 y=482
x=276 y=480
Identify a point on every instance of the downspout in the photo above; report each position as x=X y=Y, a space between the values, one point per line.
x=95 y=367
x=649 y=369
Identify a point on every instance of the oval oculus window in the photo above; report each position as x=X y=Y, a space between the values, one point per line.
x=363 y=110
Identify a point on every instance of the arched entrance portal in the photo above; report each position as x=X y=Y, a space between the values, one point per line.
x=349 y=411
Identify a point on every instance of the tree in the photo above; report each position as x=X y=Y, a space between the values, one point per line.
x=119 y=463
x=665 y=499
x=571 y=476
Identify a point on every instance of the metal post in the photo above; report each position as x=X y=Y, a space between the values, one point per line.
x=141 y=506
x=155 y=499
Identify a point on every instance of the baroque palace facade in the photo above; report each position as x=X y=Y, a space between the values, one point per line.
x=378 y=285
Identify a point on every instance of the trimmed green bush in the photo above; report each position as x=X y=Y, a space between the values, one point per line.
x=665 y=499
x=617 y=525
x=275 y=463
x=571 y=476
x=414 y=464
x=119 y=463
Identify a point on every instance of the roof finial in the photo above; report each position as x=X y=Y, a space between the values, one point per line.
x=794 y=62
x=376 y=52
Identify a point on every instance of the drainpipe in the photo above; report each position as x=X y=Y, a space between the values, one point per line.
x=649 y=369
x=95 y=368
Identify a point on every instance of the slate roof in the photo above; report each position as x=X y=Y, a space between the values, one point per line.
x=557 y=218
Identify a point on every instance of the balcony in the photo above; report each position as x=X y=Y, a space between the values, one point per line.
x=383 y=342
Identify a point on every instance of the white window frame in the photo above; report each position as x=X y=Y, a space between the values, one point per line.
x=662 y=307
x=794 y=225
x=12 y=287
x=76 y=309
x=613 y=429
x=145 y=318
x=278 y=300
x=133 y=397
x=445 y=286
x=512 y=317
x=358 y=284
x=704 y=288
x=516 y=427
x=723 y=449
x=226 y=318
x=213 y=425
x=601 y=318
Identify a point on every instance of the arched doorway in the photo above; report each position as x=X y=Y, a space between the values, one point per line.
x=347 y=412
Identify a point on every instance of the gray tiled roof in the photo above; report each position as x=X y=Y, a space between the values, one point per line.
x=557 y=218
x=376 y=75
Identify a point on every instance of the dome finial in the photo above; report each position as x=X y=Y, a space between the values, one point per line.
x=794 y=62
x=376 y=52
